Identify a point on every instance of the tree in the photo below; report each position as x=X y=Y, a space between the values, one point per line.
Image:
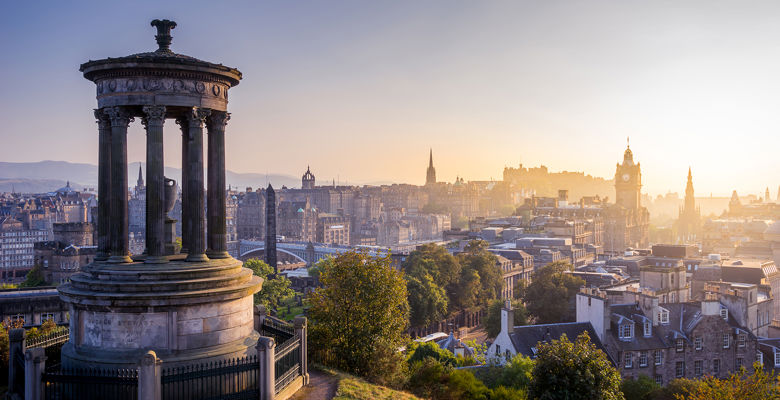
x=359 y=316
x=572 y=371
x=421 y=351
x=427 y=301
x=437 y=261
x=493 y=317
x=34 y=278
x=550 y=295
x=740 y=385
x=642 y=388
x=514 y=374
x=476 y=257
x=275 y=288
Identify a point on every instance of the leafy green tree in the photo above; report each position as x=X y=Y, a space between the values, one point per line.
x=476 y=257
x=420 y=351
x=275 y=288
x=427 y=301
x=550 y=295
x=574 y=370
x=359 y=316
x=514 y=374
x=34 y=278
x=467 y=291
x=493 y=316
x=437 y=261
x=642 y=388
x=740 y=385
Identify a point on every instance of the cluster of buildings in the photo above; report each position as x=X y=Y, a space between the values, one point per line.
x=28 y=219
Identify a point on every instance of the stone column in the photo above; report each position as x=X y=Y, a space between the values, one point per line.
x=34 y=365
x=266 y=353
x=16 y=349
x=197 y=242
x=154 y=119
x=217 y=230
x=301 y=329
x=150 y=377
x=185 y=202
x=120 y=242
x=104 y=186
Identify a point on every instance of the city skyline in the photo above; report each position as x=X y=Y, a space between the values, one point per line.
x=363 y=91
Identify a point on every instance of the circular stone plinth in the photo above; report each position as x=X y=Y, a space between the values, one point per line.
x=185 y=311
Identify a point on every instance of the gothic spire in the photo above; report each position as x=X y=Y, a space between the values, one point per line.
x=140 y=181
x=430 y=160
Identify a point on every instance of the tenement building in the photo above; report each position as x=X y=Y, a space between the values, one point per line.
x=189 y=306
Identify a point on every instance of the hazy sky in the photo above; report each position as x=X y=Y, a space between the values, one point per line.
x=362 y=89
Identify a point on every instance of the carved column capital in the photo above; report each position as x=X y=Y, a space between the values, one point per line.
x=218 y=120
x=102 y=119
x=119 y=116
x=196 y=117
x=154 y=115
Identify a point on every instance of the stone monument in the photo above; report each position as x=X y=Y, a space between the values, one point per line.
x=188 y=306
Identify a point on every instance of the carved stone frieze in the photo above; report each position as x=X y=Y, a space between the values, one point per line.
x=162 y=85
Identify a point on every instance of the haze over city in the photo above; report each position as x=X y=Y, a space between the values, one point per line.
x=362 y=90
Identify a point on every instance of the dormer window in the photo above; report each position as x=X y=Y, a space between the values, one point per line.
x=663 y=317
x=627 y=331
x=648 y=328
x=724 y=313
x=741 y=339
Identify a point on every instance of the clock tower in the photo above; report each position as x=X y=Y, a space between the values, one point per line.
x=628 y=182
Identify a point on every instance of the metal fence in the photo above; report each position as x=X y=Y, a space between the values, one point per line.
x=280 y=330
x=287 y=365
x=117 y=384
x=235 y=379
x=52 y=343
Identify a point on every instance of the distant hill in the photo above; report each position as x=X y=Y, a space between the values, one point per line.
x=46 y=176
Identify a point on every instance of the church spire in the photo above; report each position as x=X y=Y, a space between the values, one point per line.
x=430 y=176
x=140 y=181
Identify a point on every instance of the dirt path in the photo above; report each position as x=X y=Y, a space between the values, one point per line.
x=322 y=386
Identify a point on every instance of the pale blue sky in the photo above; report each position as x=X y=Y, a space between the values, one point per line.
x=362 y=89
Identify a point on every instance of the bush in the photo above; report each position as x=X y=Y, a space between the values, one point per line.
x=643 y=388
x=421 y=351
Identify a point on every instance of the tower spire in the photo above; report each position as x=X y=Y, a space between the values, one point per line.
x=140 y=181
x=430 y=176
x=430 y=160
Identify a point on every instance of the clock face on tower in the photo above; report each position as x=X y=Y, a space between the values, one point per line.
x=626 y=177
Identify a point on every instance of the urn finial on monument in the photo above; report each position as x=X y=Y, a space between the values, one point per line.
x=163 y=36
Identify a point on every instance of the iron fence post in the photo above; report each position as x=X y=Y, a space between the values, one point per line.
x=150 y=377
x=260 y=313
x=34 y=365
x=301 y=329
x=265 y=358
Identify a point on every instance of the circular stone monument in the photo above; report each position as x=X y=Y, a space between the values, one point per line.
x=192 y=306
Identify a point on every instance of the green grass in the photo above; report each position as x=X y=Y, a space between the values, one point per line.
x=295 y=309
x=351 y=388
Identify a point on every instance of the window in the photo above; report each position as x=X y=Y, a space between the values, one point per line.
x=741 y=339
x=698 y=368
x=777 y=358
x=663 y=317
x=679 y=369
x=648 y=328
x=697 y=342
x=47 y=317
x=18 y=318
x=724 y=313
x=628 y=357
x=626 y=331
x=726 y=340
x=659 y=357
x=680 y=345
x=659 y=380
x=643 y=358
x=739 y=363
x=498 y=349
x=716 y=366
x=760 y=357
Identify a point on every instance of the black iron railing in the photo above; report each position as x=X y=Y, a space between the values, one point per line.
x=53 y=338
x=235 y=379
x=117 y=384
x=287 y=365
x=280 y=330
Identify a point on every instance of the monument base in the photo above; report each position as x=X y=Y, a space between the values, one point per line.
x=187 y=312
